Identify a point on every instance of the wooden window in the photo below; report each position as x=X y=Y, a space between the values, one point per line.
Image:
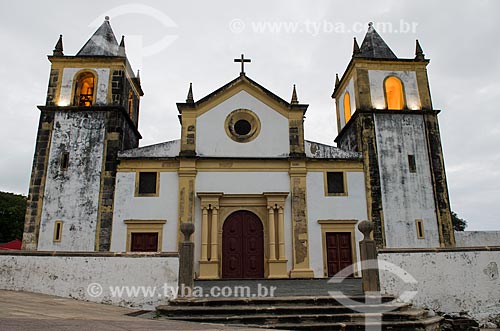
x=394 y=93
x=58 y=231
x=144 y=235
x=335 y=184
x=84 y=90
x=64 y=161
x=420 y=229
x=144 y=242
x=411 y=163
x=147 y=184
x=347 y=107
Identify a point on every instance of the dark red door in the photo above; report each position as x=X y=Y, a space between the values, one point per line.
x=338 y=252
x=144 y=242
x=242 y=246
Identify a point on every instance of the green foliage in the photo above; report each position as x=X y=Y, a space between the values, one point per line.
x=459 y=224
x=12 y=210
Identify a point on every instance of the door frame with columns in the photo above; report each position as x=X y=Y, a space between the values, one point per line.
x=216 y=208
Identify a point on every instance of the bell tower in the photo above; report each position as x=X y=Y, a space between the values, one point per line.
x=385 y=112
x=91 y=113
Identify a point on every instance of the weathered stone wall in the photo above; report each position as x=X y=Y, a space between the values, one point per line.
x=82 y=276
x=477 y=238
x=119 y=136
x=37 y=182
x=446 y=280
x=71 y=195
x=406 y=196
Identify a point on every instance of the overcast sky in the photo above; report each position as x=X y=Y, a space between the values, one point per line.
x=289 y=42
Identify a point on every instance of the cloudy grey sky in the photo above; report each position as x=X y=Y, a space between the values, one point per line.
x=290 y=42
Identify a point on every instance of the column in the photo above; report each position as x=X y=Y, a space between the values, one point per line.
x=214 y=252
x=281 y=233
x=204 y=234
x=209 y=259
x=272 y=234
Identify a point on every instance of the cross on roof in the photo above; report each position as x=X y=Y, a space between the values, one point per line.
x=242 y=60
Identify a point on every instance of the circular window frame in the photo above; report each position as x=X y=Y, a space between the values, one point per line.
x=246 y=115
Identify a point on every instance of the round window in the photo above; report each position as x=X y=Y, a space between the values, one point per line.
x=242 y=125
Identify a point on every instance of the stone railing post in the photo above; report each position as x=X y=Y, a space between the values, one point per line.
x=369 y=263
x=186 y=261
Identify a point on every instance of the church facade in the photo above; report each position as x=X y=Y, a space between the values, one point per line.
x=265 y=201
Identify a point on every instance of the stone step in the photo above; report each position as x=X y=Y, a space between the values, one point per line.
x=304 y=313
x=286 y=287
x=428 y=324
x=242 y=310
x=304 y=318
x=294 y=300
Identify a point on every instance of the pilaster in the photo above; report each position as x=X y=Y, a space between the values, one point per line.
x=300 y=238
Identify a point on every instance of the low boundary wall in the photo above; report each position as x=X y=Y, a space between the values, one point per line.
x=142 y=280
x=454 y=280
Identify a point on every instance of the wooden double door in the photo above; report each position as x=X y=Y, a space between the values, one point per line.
x=338 y=252
x=242 y=246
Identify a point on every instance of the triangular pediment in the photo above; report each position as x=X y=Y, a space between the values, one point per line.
x=242 y=83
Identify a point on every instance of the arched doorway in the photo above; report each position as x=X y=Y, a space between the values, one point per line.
x=242 y=246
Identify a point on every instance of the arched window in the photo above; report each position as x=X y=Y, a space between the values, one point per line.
x=394 y=93
x=131 y=105
x=84 y=90
x=347 y=107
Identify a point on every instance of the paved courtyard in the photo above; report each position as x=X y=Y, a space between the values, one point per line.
x=31 y=311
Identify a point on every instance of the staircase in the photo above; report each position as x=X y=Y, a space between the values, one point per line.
x=299 y=305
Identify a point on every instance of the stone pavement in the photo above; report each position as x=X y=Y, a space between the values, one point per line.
x=31 y=311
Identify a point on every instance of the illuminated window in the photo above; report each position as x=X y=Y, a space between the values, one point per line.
x=347 y=107
x=84 y=90
x=394 y=93
x=130 y=104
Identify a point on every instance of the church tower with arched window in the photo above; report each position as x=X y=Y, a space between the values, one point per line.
x=384 y=111
x=91 y=113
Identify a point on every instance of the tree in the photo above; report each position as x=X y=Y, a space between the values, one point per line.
x=12 y=211
x=459 y=224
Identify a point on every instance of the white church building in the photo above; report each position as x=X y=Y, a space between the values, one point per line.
x=265 y=201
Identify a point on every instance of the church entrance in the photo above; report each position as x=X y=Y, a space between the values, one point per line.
x=242 y=246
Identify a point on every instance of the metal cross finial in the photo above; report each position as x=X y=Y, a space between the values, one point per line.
x=242 y=60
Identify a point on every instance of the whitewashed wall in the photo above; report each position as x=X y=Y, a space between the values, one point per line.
x=450 y=281
x=72 y=196
x=321 y=207
x=73 y=276
x=68 y=77
x=129 y=207
x=212 y=140
x=477 y=238
x=406 y=196
x=409 y=80
x=244 y=183
x=350 y=89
